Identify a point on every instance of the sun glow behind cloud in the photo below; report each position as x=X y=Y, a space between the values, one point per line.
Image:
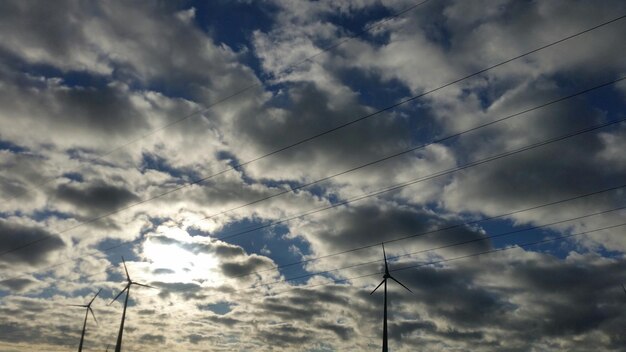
x=169 y=261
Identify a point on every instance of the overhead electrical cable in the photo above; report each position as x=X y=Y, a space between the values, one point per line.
x=454 y=135
x=219 y=101
x=312 y=137
x=441 y=173
x=439 y=229
x=427 y=177
x=415 y=148
x=446 y=246
x=436 y=262
x=376 y=244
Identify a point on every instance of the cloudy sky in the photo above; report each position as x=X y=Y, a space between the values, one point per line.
x=247 y=158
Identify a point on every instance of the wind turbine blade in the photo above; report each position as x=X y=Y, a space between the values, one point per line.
x=76 y=305
x=401 y=284
x=382 y=282
x=385 y=256
x=624 y=288
x=94 y=297
x=138 y=284
x=119 y=294
x=93 y=315
x=127 y=275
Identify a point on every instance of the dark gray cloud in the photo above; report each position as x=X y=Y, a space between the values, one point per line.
x=188 y=291
x=525 y=299
x=571 y=295
x=223 y=320
x=288 y=311
x=152 y=339
x=96 y=197
x=400 y=329
x=455 y=296
x=275 y=129
x=196 y=338
x=536 y=177
x=246 y=266
x=102 y=112
x=25 y=169
x=18 y=284
x=345 y=333
x=359 y=224
x=14 y=235
x=160 y=271
x=225 y=251
x=44 y=27
x=12 y=188
x=286 y=335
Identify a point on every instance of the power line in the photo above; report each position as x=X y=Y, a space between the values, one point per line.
x=400 y=238
x=412 y=182
x=450 y=245
x=522 y=245
x=395 y=155
x=441 y=229
x=454 y=135
x=421 y=179
x=305 y=140
x=441 y=261
x=428 y=177
x=324 y=50
x=419 y=147
x=436 y=262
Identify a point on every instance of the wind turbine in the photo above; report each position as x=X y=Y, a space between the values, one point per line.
x=88 y=306
x=624 y=288
x=118 y=346
x=385 y=277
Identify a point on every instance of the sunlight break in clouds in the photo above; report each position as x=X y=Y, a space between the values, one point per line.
x=172 y=262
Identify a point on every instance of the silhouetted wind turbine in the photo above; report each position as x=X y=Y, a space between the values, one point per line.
x=118 y=346
x=385 y=277
x=88 y=306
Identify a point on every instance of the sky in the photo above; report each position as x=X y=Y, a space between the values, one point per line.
x=248 y=158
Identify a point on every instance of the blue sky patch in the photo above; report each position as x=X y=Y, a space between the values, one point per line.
x=269 y=242
x=158 y=163
x=220 y=308
x=12 y=147
x=233 y=22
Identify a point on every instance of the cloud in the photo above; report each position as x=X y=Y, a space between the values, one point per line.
x=15 y=235
x=95 y=197
x=80 y=80
x=187 y=290
x=151 y=339
x=244 y=267
x=18 y=284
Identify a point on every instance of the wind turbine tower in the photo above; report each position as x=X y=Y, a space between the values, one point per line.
x=87 y=311
x=129 y=283
x=384 y=282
